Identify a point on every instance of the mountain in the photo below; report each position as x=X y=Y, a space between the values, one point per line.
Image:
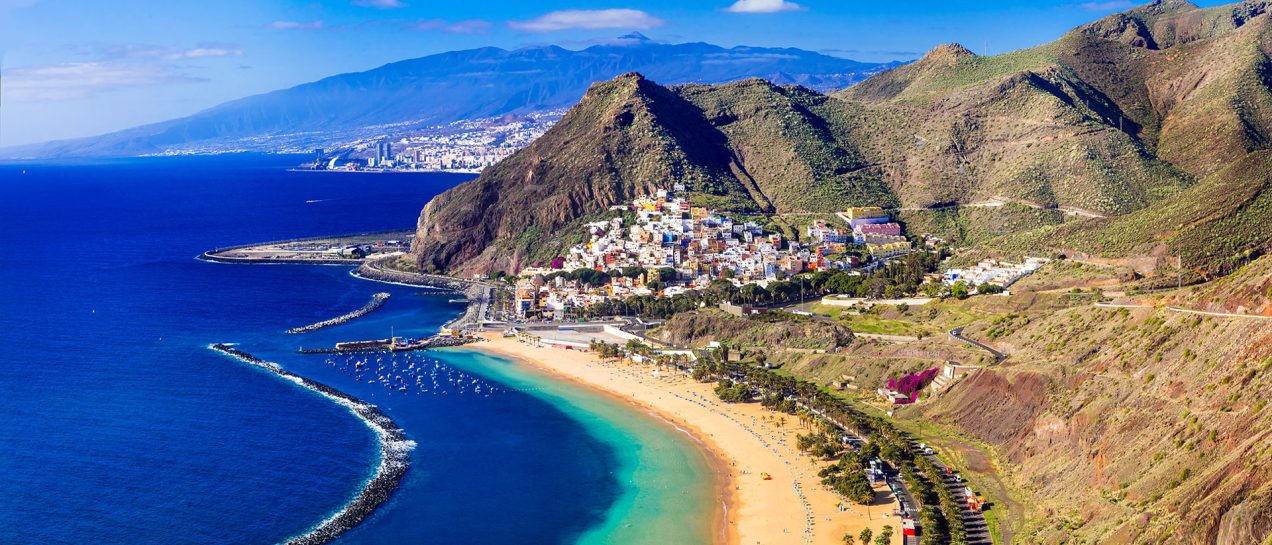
x=1127 y=121
x=750 y=147
x=460 y=85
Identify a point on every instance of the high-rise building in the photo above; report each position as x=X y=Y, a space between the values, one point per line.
x=383 y=152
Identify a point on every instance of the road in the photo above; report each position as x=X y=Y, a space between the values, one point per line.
x=957 y=333
x=1220 y=314
x=1122 y=305
x=973 y=521
x=1186 y=311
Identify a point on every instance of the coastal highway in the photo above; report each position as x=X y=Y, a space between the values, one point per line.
x=957 y=333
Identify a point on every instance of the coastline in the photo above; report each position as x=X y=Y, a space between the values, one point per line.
x=394 y=452
x=722 y=532
x=741 y=441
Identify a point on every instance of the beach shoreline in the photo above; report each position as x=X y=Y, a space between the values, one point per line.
x=740 y=441
x=722 y=532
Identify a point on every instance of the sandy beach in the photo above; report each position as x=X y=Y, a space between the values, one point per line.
x=744 y=439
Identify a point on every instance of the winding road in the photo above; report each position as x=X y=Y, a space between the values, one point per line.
x=957 y=333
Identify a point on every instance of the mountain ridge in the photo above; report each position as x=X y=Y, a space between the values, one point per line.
x=456 y=85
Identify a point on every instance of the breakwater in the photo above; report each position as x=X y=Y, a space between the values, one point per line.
x=394 y=452
x=478 y=294
x=387 y=345
x=372 y=270
x=376 y=302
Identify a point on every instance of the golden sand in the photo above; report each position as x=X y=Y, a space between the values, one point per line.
x=744 y=439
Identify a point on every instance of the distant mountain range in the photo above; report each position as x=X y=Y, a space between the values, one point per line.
x=454 y=86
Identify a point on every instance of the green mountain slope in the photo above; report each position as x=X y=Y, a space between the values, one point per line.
x=624 y=138
x=1214 y=227
x=749 y=147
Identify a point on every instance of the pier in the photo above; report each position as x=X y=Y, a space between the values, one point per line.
x=376 y=302
x=391 y=345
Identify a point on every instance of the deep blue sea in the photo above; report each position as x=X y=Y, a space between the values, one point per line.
x=120 y=426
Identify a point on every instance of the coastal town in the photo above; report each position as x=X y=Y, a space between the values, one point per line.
x=465 y=146
x=689 y=246
x=661 y=245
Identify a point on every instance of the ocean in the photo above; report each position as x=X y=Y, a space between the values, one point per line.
x=121 y=426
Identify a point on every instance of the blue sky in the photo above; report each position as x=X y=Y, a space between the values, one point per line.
x=83 y=67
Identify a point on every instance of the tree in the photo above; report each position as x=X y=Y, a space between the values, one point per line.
x=959 y=290
x=989 y=289
x=730 y=392
x=865 y=535
x=631 y=272
x=870 y=450
x=885 y=535
x=849 y=539
x=848 y=479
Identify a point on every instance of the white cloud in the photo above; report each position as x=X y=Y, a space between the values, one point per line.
x=763 y=6
x=205 y=52
x=588 y=19
x=80 y=79
x=1107 y=6
x=467 y=26
x=142 y=51
x=296 y=25
x=380 y=4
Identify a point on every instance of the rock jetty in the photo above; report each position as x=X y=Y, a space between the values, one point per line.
x=395 y=451
x=376 y=302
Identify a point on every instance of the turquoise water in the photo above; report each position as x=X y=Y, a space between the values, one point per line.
x=669 y=491
x=122 y=427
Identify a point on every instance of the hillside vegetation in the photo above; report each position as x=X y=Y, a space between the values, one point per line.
x=1127 y=426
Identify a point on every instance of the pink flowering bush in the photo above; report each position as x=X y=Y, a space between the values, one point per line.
x=911 y=383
